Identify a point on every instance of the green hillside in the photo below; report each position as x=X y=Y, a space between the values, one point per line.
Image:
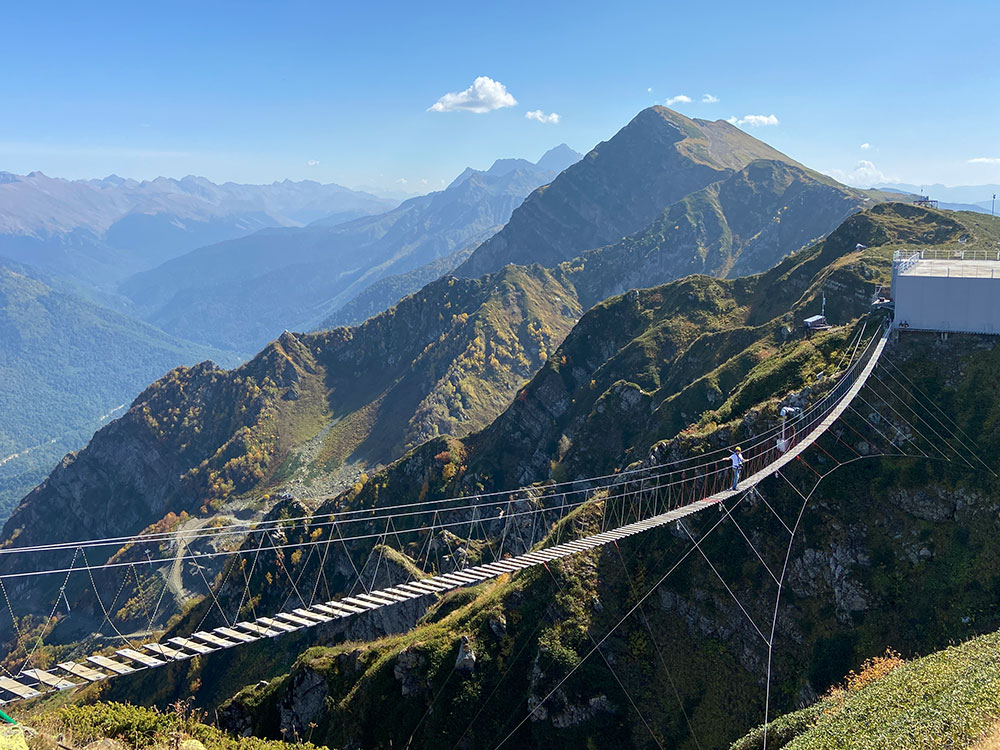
x=67 y=366
x=310 y=413
x=527 y=633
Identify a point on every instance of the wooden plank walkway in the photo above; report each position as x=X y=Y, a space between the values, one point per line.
x=33 y=682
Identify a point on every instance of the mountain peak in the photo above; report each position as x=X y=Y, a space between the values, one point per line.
x=658 y=158
x=558 y=158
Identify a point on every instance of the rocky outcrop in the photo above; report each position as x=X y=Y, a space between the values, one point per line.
x=410 y=672
x=465 y=662
x=303 y=702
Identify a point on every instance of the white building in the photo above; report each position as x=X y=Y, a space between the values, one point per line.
x=955 y=295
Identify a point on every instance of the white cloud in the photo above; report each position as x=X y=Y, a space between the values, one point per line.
x=679 y=99
x=537 y=114
x=985 y=160
x=709 y=99
x=649 y=90
x=865 y=146
x=401 y=181
x=312 y=163
x=864 y=174
x=754 y=121
x=484 y=95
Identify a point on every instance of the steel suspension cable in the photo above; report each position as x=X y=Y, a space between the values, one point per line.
x=618 y=624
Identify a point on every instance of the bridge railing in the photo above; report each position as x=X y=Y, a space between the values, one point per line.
x=710 y=477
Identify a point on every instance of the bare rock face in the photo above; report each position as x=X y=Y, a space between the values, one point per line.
x=817 y=571
x=410 y=672
x=303 y=702
x=928 y=504
x=498 y=625
x=236 y=717
x=466 y=660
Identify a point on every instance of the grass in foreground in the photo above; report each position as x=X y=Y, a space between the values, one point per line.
x=949 y=699
x=137 y=728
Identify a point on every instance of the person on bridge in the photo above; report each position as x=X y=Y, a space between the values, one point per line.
x=737 y=459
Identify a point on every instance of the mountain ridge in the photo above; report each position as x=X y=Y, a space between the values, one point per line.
x=337 y=263
x=54 y=389
x=620 y=187
x=100 y=231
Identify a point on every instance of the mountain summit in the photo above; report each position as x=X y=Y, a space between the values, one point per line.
x=620 y=187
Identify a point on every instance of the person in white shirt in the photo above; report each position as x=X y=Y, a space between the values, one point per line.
x=737 y=459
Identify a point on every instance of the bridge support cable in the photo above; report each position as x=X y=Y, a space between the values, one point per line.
x=611 y=669
x=928 y=400
x=867 y=439
x=215 y=599
x=951 y=433
x=61 y=595
x=245 y=596
x=430 y=707
x=867 y=420
x=659 y=651
x=677 y=563
x=343 y=516
x=510 y=666
x=752 y=546
x=242 y=529
x=718 y=575
x=805 y=499
x=321 y=573
x=97 y=594
x=279 y=561
x=904 y=420
x=919 y=417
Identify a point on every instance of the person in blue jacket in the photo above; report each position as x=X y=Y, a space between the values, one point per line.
x=737 y=459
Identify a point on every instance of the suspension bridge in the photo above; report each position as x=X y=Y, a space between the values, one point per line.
x=655 y=496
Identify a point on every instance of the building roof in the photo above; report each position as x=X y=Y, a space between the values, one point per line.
x=983 y=269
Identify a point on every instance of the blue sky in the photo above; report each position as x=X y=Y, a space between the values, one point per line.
x=341 y=92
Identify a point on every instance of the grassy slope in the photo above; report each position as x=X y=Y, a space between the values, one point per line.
x=743 y=224
x=914 y=606
x=949 y=699
x=116 y=725
x=206 y=442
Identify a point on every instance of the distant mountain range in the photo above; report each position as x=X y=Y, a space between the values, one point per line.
x=958 y=197
x=666 y=197
x=241 y=293
x=72 y=352
x=100 y=231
